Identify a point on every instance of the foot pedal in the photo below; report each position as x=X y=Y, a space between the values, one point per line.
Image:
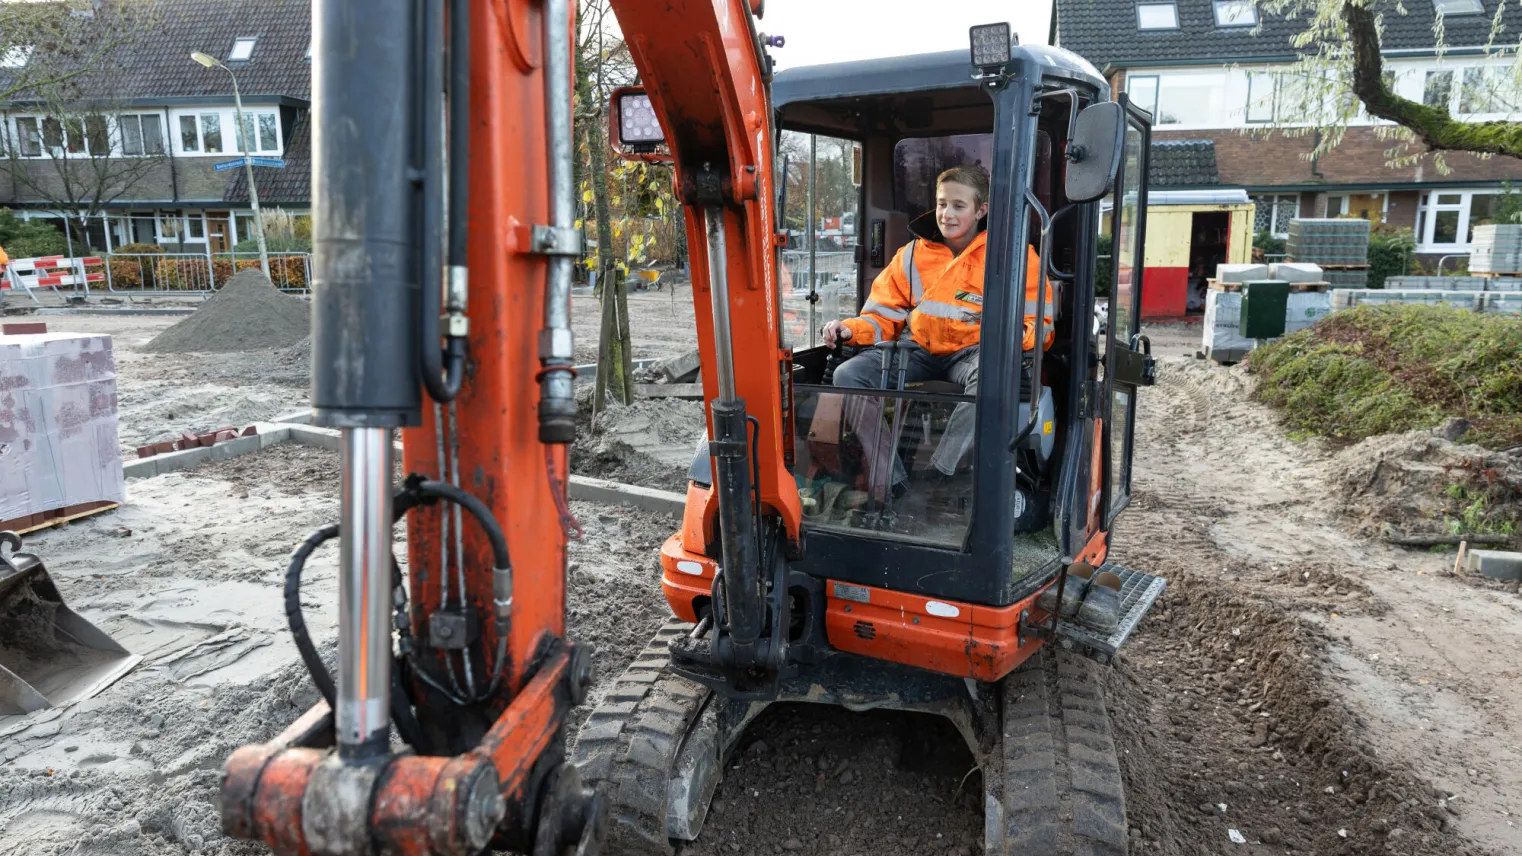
x=1138 y=591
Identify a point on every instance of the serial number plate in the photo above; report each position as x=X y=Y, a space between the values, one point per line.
x=860 y=594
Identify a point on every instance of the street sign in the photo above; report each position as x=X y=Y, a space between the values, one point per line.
x=277 y=163
x=232 y=164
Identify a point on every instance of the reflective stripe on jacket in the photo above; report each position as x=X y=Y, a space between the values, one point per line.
x=940 y=297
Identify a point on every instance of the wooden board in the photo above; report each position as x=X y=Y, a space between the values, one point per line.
x=1498 y=274
x=693 y=391
x=34 y=525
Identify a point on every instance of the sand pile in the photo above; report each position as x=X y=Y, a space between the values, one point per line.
x=247 y=314
x=1421 y=483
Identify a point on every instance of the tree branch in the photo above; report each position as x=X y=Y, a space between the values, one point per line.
x=1433 y=126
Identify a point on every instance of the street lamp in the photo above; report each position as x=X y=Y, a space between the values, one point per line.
x=253 y=192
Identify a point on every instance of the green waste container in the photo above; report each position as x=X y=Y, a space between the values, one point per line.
x=1265 y=305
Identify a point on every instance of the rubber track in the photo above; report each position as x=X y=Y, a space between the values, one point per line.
x=1062 y=785
x=630 y=742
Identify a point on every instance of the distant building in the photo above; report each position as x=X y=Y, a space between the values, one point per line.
x=159 y=104
x=1210 y=71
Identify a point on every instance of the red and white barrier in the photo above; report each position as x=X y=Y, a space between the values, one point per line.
x=51 y=272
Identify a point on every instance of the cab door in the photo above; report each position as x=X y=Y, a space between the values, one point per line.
x=1128 y=364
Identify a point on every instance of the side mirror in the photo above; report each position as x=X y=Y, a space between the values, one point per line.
x=1094 y=152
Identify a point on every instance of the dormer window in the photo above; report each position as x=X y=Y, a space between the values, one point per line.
x=243 y=50
x=1458 y=7
x=16 y=57
x=1235 y=13
x=1157 y=16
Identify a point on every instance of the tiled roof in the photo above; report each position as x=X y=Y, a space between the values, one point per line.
x=1182 y=163
x=157 y=63
x=1105 y=31
x=289 y=186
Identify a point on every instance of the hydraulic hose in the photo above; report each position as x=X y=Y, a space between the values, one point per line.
x=443 y=369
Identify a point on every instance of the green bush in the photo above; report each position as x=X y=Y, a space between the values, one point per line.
x=1377 y=370
x=26 y=239
x=275 y=245
x=1270 y=245
x=1392 y=252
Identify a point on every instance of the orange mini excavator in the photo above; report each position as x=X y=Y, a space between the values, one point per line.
x=444 y=240
x=791 y=579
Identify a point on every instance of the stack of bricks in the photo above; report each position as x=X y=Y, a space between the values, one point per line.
x=192 y=441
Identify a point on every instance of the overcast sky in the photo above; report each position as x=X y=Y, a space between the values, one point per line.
x=838 y=30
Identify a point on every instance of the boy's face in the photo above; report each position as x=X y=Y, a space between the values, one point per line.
x=957 y=210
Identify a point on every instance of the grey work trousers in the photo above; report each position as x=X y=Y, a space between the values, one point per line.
x=863 y=413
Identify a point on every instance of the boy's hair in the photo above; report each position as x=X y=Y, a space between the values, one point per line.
x=969 y=175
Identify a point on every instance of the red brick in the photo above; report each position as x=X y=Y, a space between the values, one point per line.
x=229 y=434
x=165 y=447
x=146 y=451
x=23 y=328
x=250 y=431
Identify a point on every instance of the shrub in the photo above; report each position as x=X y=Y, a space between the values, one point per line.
x=1268 y=244
x=25 y=239
x=1104 y=268
x=1392 y=252
x=132 y=272
x=275 y=245
x=1377 y=370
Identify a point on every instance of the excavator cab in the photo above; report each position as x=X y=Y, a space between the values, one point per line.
x=800 y=574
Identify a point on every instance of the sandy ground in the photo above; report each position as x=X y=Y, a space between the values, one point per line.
x=1318 y=693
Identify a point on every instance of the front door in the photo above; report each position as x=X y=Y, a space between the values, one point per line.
x=218 y=232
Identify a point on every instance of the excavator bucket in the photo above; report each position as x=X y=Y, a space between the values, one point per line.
x=49 y=655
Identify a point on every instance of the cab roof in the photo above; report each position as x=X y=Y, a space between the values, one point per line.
x=915 y=73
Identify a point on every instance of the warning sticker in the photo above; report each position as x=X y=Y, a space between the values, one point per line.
x=860 y=594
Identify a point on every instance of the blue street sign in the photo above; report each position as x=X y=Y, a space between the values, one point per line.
x=232 y=164
x=277 y=163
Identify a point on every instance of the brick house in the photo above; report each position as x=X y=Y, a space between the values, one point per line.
x=1211 y=72
x=154 y=125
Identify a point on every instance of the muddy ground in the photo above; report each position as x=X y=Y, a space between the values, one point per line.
x=1316 y=691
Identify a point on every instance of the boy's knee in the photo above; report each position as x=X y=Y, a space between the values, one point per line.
x=858 y=373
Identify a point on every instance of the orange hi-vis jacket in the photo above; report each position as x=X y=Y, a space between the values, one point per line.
x=940 y=297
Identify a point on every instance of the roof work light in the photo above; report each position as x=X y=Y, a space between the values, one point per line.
x=990 y=46
x=637 y=124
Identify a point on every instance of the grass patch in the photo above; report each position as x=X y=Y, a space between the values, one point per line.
x=1379 y=370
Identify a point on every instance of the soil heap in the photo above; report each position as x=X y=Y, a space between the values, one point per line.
x=246 y=314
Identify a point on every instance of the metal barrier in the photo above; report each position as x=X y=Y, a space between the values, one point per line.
x=198 y=273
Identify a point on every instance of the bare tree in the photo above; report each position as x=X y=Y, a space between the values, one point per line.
x=54 y=43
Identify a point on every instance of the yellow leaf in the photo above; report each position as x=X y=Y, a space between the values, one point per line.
x=579 y=223
x=660 y=205
x=617 y=200
x=586 y=195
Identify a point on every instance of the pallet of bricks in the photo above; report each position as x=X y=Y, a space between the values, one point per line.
x=1339 y=246
x=1309 y=301
x=1497 y=251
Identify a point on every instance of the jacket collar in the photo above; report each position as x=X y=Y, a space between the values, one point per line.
x=925 y=228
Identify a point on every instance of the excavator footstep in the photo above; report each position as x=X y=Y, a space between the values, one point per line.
x=1138 y=591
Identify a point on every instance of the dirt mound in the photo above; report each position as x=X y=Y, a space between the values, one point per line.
x=1421 y=483
x=246 y=314
x=1229 y=726
x=606 y=458
x=648 y=443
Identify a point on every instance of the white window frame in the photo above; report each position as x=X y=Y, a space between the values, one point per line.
x=1156 y=5
x=238 y=46
x=1427 y=206
x=1151 y=108
x=228 y=124
x=1275 y=200
x=1460 y=7
x=16 y=57
x=121 y=134
x=13 y=126
x=1236 y=8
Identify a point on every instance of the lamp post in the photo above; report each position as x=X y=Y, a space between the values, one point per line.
x=253 y=192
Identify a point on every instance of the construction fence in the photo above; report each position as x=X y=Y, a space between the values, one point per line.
x=149 y=274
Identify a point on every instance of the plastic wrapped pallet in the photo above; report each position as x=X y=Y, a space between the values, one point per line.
x=1241 y=273
x=58 y=443
x=1503 y=303
x=1295 y=272
x=1305 y=308
x=1347 y=298
x=1497 y=248
x=1223 y=327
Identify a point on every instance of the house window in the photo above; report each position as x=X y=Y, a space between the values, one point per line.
x=243 y=50
x=201 y=133
x=16 y=57
x=1156 y=16
x=1272 y=213
x=29 y=138
x=190 y=141
x=168 y=228
x=1143 y=92
x=1445 y=219
x=1458 y=7
x=195 y=228
x=1235 y=13
x=1438 y=90
x=211 y=132
x=1191 y=99
x=1336 y=206
x=141 y=135
x=266 y=139
x=1261 y=86
x=1486 y=89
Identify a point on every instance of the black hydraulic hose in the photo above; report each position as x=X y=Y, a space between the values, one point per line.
x=442 y=367
x=459 y=128
x=478 y=510
x=297 y=622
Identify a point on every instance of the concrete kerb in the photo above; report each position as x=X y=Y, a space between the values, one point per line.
x=270 y=433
